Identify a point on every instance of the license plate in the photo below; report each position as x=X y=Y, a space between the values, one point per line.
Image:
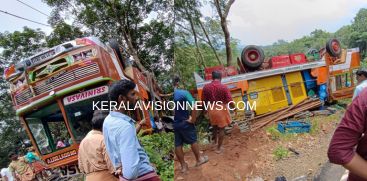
x=69 y=171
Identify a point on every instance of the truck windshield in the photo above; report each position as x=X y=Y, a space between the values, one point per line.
x=48 y=129
x=80 y=114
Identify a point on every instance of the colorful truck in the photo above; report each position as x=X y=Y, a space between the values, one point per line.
x=54 y=91
x=280 y=81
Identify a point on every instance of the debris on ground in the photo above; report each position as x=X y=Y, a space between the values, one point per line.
x=304 y=114
x=263 y=120
x=294 y=151
x=324 y=112
x=251 y=154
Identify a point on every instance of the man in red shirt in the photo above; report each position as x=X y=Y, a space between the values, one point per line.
x=217 y=94
x=348 y=146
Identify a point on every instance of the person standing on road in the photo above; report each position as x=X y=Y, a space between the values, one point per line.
x=93 y=160
x=120 y=137
x=348 y=146
x=217 y=96
x=6 y=175
x=184 y=127
x=362 y=81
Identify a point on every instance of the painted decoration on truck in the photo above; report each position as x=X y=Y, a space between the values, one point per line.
x=85 y=95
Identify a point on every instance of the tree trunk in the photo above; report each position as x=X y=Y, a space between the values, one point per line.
x=132 y=51
x=223 y=23
x=195 y=37
x=209 y=42
x=227 y=39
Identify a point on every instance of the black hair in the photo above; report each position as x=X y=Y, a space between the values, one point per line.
x=362 y=72
x=176 y=80
x=11 y=154
x=120 y=87
x=98 y=119
x=216 y=75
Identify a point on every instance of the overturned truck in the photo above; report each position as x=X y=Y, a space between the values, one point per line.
x=262 y=86
x=54 y=91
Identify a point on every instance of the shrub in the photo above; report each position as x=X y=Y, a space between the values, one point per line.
x=280 y=153
x=159 y=148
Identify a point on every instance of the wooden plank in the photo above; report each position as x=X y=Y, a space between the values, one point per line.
x=293 y=110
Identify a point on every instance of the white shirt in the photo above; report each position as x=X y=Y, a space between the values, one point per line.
x=6 y=172
x=359 y=88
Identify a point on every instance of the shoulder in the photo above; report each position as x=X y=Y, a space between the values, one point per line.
x=179 y=93
x=11 y=165
x=209 y=85
x=363 y=95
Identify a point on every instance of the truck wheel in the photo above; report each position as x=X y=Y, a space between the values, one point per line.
x=115 y=46
x=333 y=48
x=252 y=56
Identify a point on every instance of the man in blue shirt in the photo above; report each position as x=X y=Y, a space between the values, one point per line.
x=362 y=81
x=120 y=137
x=184 y=128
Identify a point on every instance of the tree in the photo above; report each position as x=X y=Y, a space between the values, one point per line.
x=61 y=33
x=16 y=46
x=358 y=38
x=20 y=44
x=222 y=7
x=126 y=21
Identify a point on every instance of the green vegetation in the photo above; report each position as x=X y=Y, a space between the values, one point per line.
x=315 y=127
x=159 y=148
x=276 y=135
x=280 y=153
x=350 y=36
x=273 y=132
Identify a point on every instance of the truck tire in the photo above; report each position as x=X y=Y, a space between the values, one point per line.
x=115 y=46
x=252 y=56
x=333 y=48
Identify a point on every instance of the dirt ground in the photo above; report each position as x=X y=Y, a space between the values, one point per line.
x=251 y=155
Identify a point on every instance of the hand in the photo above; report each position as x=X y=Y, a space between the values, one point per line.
x=118 y=172
x=142 y=122
x=189 y=120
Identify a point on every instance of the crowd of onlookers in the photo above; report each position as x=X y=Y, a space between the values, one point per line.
x=27 y=167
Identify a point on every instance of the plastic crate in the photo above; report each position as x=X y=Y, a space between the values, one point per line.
x=231 y=70
x=300 y=126
x=280 y=61
x=298 y=58
x=208 y=71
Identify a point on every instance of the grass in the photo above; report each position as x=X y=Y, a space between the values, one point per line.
x=315 y=125
x=276 y=135
x=280 y=153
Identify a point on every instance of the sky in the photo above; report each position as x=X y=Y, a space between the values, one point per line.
x=11 y=24
x=259 y=22
x=263 y=22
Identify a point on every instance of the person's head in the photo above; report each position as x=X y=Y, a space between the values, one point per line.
x=176 y=81
x=361 y=75
x=98 y=119
x=216 y=75
x=13 y=156
x=31 y=149
x=123 y=91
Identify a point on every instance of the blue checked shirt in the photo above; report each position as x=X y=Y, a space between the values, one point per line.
x=123 y=147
